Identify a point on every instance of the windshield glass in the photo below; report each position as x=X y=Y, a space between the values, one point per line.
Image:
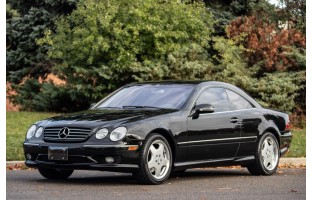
x=171 y=96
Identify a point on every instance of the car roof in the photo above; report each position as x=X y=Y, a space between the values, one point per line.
x=183 y=82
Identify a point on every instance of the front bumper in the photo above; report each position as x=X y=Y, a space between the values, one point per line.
x=87 y=156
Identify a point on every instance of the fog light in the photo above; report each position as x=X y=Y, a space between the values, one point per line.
x=28 y=156
x=109 y=159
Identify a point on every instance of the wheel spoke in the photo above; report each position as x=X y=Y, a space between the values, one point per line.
x=151 y=163
x=160 y=149
x=158 y=170
x=165 y=161
x=263 y=152
x=266 y=144
x=265 y=162
x=153 y=150
x=271 y=148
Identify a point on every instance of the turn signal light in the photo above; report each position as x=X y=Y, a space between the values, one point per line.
x=132 y=148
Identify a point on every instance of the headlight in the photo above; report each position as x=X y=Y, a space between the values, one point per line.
x=38 y=132
x=118 y=134
x=102 y=133
x=31 y=132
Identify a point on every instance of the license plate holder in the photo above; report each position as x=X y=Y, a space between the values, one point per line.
x=58 y=153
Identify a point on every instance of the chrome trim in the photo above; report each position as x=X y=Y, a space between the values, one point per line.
x=201 y=162
x=93 y=160
x=107 y=146
x=234 y=138
x=31 y=144
x=229 y=111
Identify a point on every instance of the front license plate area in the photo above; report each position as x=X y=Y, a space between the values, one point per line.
x=58 y=153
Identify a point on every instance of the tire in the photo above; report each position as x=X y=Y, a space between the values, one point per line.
x=54 y=173
x=155 y=160
x=266 y=156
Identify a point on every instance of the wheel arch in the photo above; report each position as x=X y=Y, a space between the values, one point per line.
x=169 y=137
x=274 y=132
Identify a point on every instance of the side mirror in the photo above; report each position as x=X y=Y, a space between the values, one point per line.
x=205 y=108
x=202 y=108
x=92 y=105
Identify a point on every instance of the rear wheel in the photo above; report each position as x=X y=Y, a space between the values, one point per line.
x=155 y=161
x=266 y=157
x=55 y=173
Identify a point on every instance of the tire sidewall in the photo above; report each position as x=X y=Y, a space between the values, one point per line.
x=259 y=153
x=144 y=157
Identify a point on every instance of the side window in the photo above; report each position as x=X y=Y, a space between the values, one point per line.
x=217 y=97
x=237 y=102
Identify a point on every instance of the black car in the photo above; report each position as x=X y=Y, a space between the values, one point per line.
x=155 y=128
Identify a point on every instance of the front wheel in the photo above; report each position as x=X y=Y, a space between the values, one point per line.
x=155 y=161
x=55 y=173
x=266 y=157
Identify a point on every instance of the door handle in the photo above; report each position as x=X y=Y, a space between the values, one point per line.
x=234 y=120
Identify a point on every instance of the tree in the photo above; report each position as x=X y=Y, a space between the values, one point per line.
x=278 y=90
x=103 y=45
x=227 y=10
x=279 y=57
x=268 y=46
x=24 y=56
x=293 y=12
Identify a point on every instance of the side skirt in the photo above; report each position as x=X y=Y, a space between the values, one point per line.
x=214 y=163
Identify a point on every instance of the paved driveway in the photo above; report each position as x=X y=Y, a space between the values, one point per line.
x=212 y=183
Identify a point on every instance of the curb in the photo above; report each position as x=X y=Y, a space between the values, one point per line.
x=292 y=162
x=284 y=162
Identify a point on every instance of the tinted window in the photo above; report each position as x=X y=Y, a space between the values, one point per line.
x=217 y=97
x=171 y=96
x=237 y=102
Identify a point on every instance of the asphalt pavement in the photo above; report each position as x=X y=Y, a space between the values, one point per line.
x=212 y=183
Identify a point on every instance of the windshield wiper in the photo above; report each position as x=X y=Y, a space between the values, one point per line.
x=108 y=107
x=142 y=107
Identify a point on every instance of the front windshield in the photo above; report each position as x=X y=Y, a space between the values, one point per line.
x=172 y=96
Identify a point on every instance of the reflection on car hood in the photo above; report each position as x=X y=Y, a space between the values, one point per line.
x=101 y=117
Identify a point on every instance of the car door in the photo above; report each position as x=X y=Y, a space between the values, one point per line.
x=250 y=119
x=213 y=135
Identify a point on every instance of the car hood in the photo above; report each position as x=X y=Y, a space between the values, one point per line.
x=103 y=117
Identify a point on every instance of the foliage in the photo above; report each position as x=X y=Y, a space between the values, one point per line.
x=267 y=46
x=24 y=56
x=280 y=56
x=277 y=90
x=293 y=12
x=104 y=45
x=225 y=11
x=48 y=97
x=270 y=90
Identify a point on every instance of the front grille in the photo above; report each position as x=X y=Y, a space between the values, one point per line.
x=74 y=134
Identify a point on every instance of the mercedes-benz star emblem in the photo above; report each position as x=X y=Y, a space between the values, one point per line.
x=64 y=132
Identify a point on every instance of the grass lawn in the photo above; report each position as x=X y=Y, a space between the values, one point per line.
x=18 y=122
x=297 y=148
